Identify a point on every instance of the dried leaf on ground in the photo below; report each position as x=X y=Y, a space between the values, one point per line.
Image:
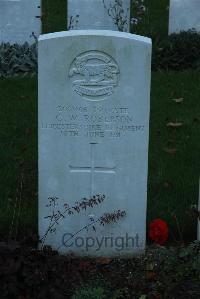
x=171 y=151
x=174 y=124
x=179 y=100
x=103 y=261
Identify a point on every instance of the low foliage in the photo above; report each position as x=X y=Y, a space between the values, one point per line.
x=177 y=52
x=97 y=293
x=160 y=273
x=90 y=293
x=17 y=59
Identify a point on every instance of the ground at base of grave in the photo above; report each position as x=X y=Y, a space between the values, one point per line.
x=172 y=272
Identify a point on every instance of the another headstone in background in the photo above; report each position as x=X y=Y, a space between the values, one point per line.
x=20 y=21
x=184 y=15
x=94 y=103
x=99 y=14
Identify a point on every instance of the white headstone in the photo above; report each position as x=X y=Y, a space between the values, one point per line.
x=94 y=91
x=19 y=21
x=99 y=14
x=184 y=15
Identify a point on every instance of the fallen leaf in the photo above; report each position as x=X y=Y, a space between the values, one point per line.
x=170 y=142
x=23 y=149
x=174 y=124
x=179 y=100
x=103 y=261
x=21 y=162
x=196 y=119
x=28 y=131
x=195 y=212
x=150 y=266
x=22 y=97
x=84 y=264
x=167 y=185
x=171 y=151
x=151 y=275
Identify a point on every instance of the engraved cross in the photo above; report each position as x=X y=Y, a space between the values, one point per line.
x=92 y=168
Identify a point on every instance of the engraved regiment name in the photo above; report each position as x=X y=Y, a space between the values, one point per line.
x=94 y=75
x=94 y=121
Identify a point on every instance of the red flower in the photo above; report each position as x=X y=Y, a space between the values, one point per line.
x=84 y=265
x=158 y=231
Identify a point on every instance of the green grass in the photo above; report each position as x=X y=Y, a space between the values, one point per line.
x=155 y=20
x=173 y=178
x=18 y=151
x=54 y=15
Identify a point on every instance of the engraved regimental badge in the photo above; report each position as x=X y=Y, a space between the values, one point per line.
x=94 y=75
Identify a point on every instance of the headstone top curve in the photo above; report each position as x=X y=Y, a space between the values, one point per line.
x=92 y=32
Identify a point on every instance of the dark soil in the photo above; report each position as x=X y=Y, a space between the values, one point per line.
x=27 y=273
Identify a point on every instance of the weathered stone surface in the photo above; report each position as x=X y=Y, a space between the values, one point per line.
x=19 y=21
x=184 y=15
x=98 y=14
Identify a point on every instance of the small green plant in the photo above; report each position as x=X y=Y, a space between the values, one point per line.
x=97 y=293
x=90 y=293
x=18 y=59
x=177 y=52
